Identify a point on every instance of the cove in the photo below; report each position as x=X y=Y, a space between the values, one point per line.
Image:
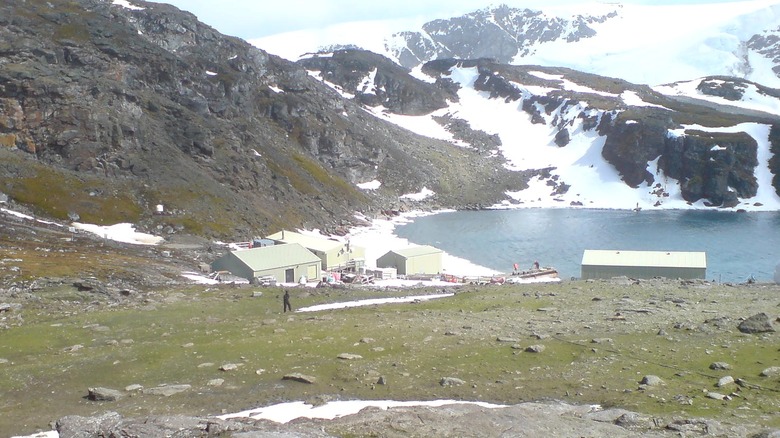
x=738 y=245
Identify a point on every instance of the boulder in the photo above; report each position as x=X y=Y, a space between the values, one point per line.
x=451 y=381
x=651 y=380
x=758 y=323
x=167 y=390
x=298 y=377
x=104 y=394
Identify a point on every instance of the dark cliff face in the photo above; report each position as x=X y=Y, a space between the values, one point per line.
x=107 y=111
x=377 y=81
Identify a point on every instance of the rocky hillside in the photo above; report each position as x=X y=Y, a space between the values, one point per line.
x=107 y=111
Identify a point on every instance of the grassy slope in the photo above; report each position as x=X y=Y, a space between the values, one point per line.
x=168 y=339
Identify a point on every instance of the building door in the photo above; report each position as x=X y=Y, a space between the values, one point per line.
x=289 y=275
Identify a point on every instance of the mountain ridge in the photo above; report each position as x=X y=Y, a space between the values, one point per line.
x=119 y=109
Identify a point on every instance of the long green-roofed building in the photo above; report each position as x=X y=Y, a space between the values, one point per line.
x=643 y=264
x=286 y=263
x=332 y=253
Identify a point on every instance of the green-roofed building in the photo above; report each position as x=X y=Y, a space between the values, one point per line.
x=286 y=263
x=334 y=255
x=414 y=260
x=643 y=264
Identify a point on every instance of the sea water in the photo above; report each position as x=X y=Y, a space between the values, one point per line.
x=738 y=245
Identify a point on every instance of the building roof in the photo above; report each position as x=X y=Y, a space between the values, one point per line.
x=657 y=259
x=311 y=242
x=275 y=256
x=416 y=251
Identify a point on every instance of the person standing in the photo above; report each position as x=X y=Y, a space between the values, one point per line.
x=286 y=300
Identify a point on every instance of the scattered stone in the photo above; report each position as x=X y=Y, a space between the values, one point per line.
x=206 y=365
x=758 y=323
x=167 y=390
x=269 y=321
x=451 y=333
x=366 y=340
x=188 y=345
x=73 y=348
x=257 y=294
x=378 y=349
x=717 y=396
x=723 y=381
x=216 y=382
x=771 y=372
x=720 y=366
x=297 y=377
x=280 y=330
x=661 y=332
x=651 y=380
x=507 y=339
x=535 y=349
x=547 y=309
x=134 y=387
x=9 y=307
x=633 y=421
x=602 y=341
x=349 y=356
x=318 y=400
x=3 y=361
x=260 y=371
x=104 y=394
x=451 y=381
x=228 y=367
x=381 y=381
x=539 y=336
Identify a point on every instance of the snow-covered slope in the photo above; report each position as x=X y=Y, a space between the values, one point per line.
x=721 y=56
x=569 y=129
x=646 y=44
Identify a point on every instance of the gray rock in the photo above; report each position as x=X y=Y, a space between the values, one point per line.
x=717 y=396
x=167 y=390
x=771 y=372
x=228 y=367
x=75 y=426
x=298 y=377
x=215 y=382
x=651 y=380
x=451 y=381
x=723 y=381
x=758 y=323
x=104 y=394
x=381 y=381
x=507 y=339
x=349 y=356
x=720 y=366
x=535 y=349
